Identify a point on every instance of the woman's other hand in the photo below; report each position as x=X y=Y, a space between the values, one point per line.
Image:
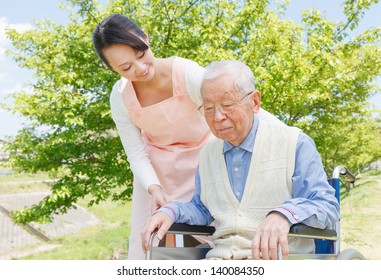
x=157 y=197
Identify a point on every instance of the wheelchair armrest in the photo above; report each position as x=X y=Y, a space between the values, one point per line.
x=297 y=230
x=300 y=230
x=191 y=229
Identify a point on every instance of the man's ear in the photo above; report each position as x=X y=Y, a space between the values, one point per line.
x=256 y=98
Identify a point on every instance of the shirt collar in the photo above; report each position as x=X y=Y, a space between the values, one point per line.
x=248 y=144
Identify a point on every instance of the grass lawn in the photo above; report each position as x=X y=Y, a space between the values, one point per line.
x=24 y=183
x=361 y=216
x=23 y=177
x=106 y=240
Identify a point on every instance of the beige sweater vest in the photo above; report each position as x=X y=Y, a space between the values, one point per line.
x=268 y=185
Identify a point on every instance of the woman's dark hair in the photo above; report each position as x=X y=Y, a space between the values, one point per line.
x=117 y=29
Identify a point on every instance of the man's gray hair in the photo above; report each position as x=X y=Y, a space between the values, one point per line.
x=240 y=73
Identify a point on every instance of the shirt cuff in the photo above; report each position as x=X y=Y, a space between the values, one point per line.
x=291 y=216
x=169 y=211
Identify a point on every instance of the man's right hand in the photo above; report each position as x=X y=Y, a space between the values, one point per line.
x=159 y=221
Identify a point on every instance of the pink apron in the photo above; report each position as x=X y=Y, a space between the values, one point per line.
x=174 y=132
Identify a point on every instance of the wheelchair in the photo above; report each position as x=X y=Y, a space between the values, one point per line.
x=327 y=241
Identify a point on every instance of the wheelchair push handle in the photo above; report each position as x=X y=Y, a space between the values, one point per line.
x=344 y=172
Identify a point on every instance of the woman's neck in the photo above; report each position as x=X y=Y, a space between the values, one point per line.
x=159 y=87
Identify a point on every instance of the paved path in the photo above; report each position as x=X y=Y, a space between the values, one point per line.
x=18 y=241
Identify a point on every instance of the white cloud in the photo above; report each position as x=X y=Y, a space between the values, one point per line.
x=2 y=77
x=6 y=91
x=4 y=41
x=7 y=67
x=16 y=88
x=2 y=52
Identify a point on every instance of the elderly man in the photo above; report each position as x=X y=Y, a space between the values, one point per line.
x=254 y=180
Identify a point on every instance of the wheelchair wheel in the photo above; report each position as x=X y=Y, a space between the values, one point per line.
x=350 y=254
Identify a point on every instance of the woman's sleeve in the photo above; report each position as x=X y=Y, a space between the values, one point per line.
x=267 y=116
x=193 y=78
x=131 y=138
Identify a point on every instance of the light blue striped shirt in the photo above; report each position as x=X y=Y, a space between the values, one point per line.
x=313 y=200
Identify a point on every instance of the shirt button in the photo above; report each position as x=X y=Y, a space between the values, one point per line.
x=237 y=193
x=236 y=169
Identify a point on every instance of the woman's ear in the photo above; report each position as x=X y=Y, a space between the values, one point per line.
x=146 y=37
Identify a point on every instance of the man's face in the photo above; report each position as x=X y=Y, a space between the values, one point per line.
x=236 y=125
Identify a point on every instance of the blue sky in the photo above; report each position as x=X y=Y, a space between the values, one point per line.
x=20 y=14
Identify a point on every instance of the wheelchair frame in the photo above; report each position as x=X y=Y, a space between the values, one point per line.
x=327 y=241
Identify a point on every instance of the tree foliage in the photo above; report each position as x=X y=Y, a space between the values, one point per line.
x=314 y=75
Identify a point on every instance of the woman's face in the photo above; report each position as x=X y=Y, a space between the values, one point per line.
x=130 y=64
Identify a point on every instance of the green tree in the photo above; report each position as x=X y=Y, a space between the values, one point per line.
x=313 y=75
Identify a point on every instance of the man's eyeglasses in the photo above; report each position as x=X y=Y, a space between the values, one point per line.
x=226 y=108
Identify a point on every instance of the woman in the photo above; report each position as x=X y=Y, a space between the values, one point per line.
x=154 y=106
